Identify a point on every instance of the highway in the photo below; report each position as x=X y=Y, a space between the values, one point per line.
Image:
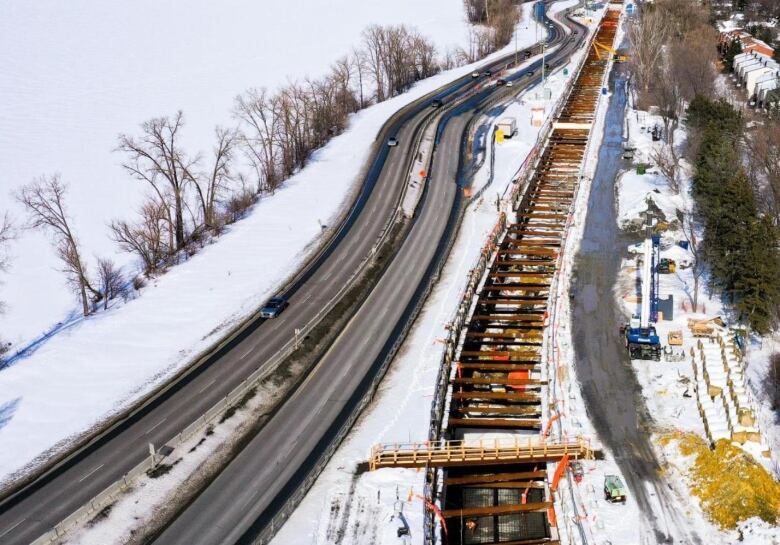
x=241 y=501
x=40 y=505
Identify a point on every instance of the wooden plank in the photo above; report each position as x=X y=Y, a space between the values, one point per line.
x=497 y=510
x=508 y=423
x=508 y=484
x=507 y=353
x=517 y=409
x=494 y=477
x=499 y=366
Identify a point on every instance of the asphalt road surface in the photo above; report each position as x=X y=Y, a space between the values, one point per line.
x=609 y=384
x=241 y=501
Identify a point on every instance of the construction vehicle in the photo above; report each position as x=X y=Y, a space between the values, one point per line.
x=614 y=491
x=675 y=338
x=617 y=57
x=667 y=266
x=641 y=338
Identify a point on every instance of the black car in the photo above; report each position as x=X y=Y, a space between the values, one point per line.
x=500 y=82
x=437 y=103
x=487 y=73
x=274 y=307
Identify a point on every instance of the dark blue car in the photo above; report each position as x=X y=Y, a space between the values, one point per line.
x=273 y=307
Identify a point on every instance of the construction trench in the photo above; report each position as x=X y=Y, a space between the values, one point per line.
x=488 y=468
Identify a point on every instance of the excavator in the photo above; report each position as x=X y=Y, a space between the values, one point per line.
x=599 y=47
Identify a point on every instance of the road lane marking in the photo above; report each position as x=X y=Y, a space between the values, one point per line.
x=91 y=472
x=307 y=297
x=158 y=423
x=245 y=354
x=206 y=386
x=12 y=527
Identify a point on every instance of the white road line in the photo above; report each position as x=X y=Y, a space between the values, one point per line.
x=91 y=472
x=12 y=527
x=206 y=386
x=158 y=423
x=245 y=354
x=307 y=297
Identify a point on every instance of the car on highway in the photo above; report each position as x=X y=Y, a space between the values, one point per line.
x=527 y=55
x=437 y=103
x=274 y=307
x=500 y=82
x=487 y=73
x=475 y=74
x=392 y=141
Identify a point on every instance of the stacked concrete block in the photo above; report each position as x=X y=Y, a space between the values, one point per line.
x=724 y=402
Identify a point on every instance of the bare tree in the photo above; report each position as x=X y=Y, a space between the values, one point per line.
x=259 y=129
x=145 y=238
x=212 y=184
x=156 y=157
x=697 y=263
x=374 y=57
x=359 y=62
x=667 y=162
x=111 y=282
x=682 y=15
x=647 y=35
x=764 y=158
x=44 y=199
x=693 y=62
x=7 y=234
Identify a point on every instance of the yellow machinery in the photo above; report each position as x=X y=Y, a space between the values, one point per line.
x=598 y=46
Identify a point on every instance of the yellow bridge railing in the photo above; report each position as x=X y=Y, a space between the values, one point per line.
x=482 y=452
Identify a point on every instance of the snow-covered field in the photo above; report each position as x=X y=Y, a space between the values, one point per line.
x=69 y=88
x=77 y=74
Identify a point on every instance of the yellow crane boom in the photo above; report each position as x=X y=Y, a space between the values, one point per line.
x=597 y=46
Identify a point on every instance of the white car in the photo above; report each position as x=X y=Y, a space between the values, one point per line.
x=392 y=141
x=475 y=74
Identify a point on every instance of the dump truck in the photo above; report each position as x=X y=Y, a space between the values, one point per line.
x=614 y=491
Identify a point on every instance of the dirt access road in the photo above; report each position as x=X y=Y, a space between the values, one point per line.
x=609 y=385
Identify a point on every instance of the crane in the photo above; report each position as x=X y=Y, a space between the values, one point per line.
x=618 y=57
x=641 y=338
